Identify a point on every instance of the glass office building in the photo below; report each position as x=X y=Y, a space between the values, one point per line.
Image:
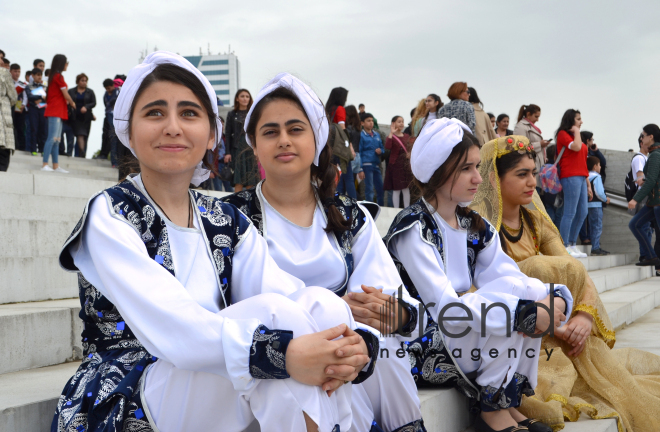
x=223 y=71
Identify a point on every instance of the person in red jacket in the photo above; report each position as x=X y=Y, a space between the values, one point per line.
x=57 y=99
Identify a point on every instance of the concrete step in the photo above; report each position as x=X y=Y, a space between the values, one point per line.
x=30 y=238
x=615 y=277
x=584 y=424
x=51 y=184
x=74 y=174
x=445 y=410
x=642 y=334
x=608 y=261
x=35 y=279
x=90 y=169
x=28 y=398
x=39 y=334
x=627 y=304
x=25 y=157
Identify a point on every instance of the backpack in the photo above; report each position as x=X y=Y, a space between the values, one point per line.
x=550 y=176
x=629 y=183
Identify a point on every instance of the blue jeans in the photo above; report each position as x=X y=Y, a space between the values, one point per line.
x=373 y=178
x=346 y=183
x=219 y=184
x=638 y=224
x=575 y=208
x=38 y=130
x=67 y=132
x=586 y=228
x=52 y=146
x=595 y=226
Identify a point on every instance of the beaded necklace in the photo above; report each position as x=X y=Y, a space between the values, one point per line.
x=516 y=238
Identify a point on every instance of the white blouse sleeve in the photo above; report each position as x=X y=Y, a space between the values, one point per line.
x=164 y=317
x=493 y=263
x=373 y=265
x=426 y=270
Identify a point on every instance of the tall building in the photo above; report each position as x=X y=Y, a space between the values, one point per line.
x=223 y=71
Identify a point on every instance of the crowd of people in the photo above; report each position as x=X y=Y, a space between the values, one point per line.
x=50 y=119
x=273 y=299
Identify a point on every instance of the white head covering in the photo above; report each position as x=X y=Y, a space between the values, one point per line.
x=131 y=86
x=434 y=145
x=311 y=104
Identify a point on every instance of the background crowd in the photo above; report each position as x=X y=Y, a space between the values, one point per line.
x=40 y=114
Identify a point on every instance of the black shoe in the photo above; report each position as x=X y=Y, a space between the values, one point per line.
x=481 y=426
x=535 y=425
x=649 y=262
x=598 y=252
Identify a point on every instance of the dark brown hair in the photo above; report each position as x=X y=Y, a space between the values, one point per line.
x=592 y=161
x=81 y=76
x=353 y=117
x=450 y=171
x=238 y=93
x=456 y=89
x=505 y=164
x=324 y=174
x=177 y=75
x=528 y=109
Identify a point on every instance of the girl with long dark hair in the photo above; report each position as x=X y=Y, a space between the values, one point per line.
x=442 y=248
x=318 y=235
x=483 y=129
x=237 y=152
x=57 y=99
x=188 y=322
x=574 y=177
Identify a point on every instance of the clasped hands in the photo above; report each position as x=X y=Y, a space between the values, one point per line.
x=574 y=332
x=375 y=309
x=328 y=359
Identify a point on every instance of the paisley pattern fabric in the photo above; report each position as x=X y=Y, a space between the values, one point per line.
x=495 y=399
x=415 y=426
x=431 y=362
x=104 y=393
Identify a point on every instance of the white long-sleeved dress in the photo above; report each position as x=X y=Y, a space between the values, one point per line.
x=317 y=258
x=203 y=379
x=442 y=280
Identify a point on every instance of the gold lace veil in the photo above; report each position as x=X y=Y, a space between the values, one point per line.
x=487 y=202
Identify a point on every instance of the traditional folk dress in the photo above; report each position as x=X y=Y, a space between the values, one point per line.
x=601 y=382
x=439 y=264
x=342 y=262
x=187 y=328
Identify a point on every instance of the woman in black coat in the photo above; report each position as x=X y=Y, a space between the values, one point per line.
x=82 y=120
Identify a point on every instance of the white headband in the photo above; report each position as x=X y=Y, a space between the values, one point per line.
x=131 y=86
x=311 y=104
x=434 y=145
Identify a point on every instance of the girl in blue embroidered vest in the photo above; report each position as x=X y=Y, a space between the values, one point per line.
x=442 y=248
x=188 y=322
x=325 y=238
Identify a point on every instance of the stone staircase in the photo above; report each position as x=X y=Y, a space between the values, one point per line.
x=39 y=307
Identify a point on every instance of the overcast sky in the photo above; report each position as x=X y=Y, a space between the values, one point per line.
x=601 y=57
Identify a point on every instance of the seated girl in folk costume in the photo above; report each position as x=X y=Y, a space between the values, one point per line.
x=442 y=248
x=583 y=374
x=321 y=237
x=189 y=323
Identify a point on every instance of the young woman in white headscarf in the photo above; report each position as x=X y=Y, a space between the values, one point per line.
x=188 y=322
x=319 y=236
x=441 y=249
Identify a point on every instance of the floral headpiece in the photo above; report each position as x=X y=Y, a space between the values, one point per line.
x=514 y=143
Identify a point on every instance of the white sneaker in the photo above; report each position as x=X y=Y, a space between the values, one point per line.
x=575 y=252
x=61 y=170
x=46 y=168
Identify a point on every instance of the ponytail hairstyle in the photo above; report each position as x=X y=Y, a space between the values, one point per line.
x=449 y=171
x=323 y=175
x=528 y=109
x=652 y=129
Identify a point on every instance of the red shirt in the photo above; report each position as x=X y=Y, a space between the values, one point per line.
x=572 y=163
x=340 y=115
x=56 y=104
